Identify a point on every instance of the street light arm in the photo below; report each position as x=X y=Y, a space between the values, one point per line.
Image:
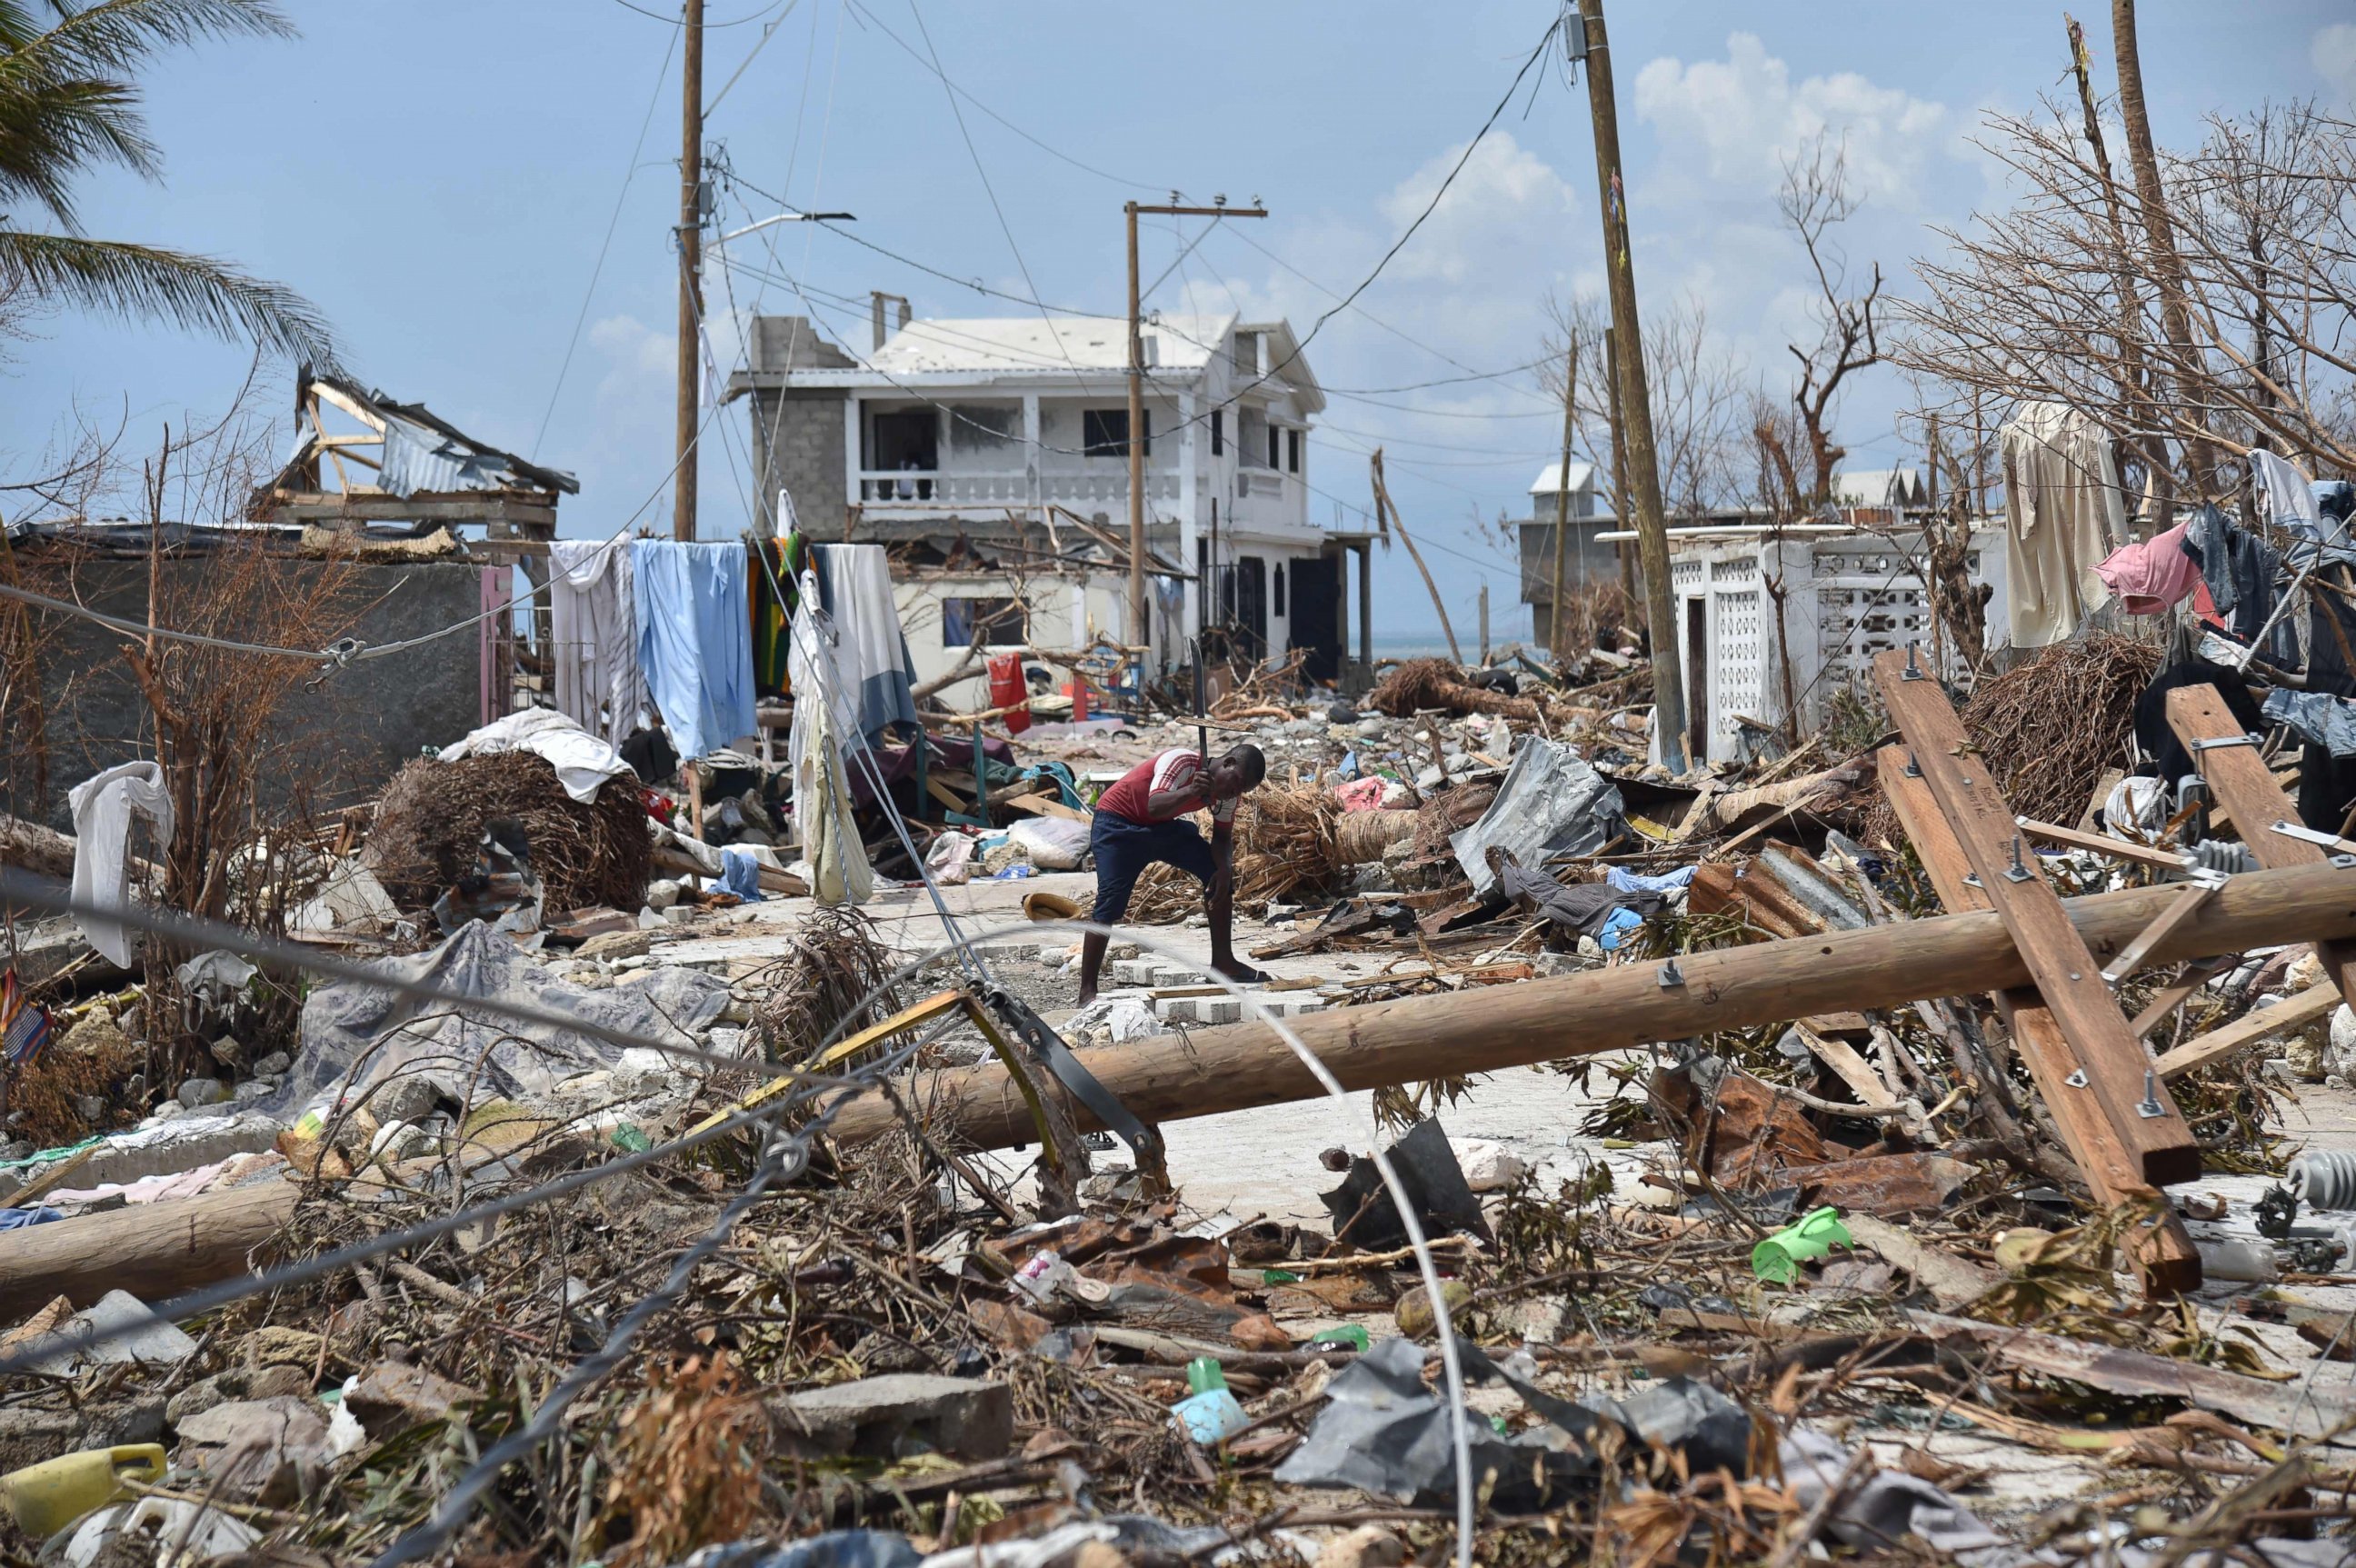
x=790 y=218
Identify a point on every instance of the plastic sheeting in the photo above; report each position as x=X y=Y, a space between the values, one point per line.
x=1383 y=1433
x=1552 y=802
x=104 y=805
x=1883 y=1505
x=364 y=1032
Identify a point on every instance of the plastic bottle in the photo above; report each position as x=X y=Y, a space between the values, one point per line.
x=1210 y=1414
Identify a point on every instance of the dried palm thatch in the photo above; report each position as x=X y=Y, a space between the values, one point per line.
x=2048 y=727
x=835 y=983
x=1422 y=684
x=429 y=825
x=1439 y=818
x=1284 y=849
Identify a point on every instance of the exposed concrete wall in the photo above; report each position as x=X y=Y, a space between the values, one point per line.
x=336 y=743
x=797 y=443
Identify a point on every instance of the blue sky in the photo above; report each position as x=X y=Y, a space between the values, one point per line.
x=440 y=179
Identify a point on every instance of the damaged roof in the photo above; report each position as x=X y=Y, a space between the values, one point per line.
x=422 y=453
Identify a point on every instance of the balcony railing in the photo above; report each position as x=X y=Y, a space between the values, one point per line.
x=927 y=487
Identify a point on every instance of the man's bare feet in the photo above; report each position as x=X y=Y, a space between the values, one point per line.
x=1241 y=974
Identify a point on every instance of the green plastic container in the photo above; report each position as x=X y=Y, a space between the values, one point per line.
x=1353 y=1335
x=1777 y=1259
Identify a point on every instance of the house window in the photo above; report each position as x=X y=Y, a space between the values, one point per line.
x=1292 y=451
x=1104 y=432
x=1218 y=431
x=1246 y=354
x=983 y=426
x=1253 y=437
x=1273 y=434
x=1276 y=593
x=994 y=622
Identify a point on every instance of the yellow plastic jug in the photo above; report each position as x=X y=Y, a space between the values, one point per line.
x=49 y=1496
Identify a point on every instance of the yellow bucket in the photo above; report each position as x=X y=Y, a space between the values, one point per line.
x=47 y=1496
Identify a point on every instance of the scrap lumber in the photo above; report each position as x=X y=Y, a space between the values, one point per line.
x=153 y=1251
x=2299 y=1409
x=1235 y=1067
x=2115 y=1066
x=2168 y=1260
x=2239 y=779
x=2266 y=1022
x=2102 y=843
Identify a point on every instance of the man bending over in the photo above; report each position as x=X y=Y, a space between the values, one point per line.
x=1142 y=819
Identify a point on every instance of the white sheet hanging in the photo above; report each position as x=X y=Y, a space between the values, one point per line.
x=824 y=715
x=104 y=806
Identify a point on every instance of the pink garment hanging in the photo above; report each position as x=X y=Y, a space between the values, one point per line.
x=2152 y=576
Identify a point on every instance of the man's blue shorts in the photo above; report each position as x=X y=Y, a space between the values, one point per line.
x=1124 y=848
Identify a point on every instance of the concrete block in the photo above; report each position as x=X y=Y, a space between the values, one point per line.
x=1057 y=954
x=1136 y=971
x=72 y=1349
x=1199 y=1009
x=1166 y=973
x=897 y=1416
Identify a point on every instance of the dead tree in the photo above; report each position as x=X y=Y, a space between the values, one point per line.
x=1816 y=200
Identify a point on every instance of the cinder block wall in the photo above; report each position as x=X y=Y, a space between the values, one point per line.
x=337 y=742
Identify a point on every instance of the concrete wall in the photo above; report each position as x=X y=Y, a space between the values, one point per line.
x=337 y=742
x=798 y=441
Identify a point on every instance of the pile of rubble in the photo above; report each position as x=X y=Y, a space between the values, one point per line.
x=1926 y=1190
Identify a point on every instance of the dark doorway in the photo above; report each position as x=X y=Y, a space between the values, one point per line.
x=1697 y=680
x=907 y=442
x=1251 y=603
x=1313 y=587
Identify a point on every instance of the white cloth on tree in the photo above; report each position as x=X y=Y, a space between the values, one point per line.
x=593 y=611
x=824 y=714
x=2290 y=497
x=2064 y=514
x=104 y=806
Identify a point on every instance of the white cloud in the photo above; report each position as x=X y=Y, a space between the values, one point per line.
x=1746 y=115
x=637 y=358
x=2334 y=53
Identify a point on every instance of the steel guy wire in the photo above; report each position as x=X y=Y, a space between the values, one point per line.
x=457 y=1505
x=209 y=1298
x=629 y=175
x=351 y=650
x=17 y=887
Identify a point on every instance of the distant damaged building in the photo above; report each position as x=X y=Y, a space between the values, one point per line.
x=991 y=456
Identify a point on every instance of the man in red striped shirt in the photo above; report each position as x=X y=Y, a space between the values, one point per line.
x=1142 y=820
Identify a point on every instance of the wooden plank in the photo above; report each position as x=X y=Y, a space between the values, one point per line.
x=1850 y=1068
x=2113 y=1065
x=1046 y=806
x=2131 y=957
x=2166 y=1000
x=2102 y=843
x=2218 y=1044
x=2239 y=779
x=2169 y=1261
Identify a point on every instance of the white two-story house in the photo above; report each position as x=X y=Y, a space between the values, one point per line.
x=993 y=455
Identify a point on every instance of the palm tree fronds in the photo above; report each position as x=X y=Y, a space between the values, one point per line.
x=143 y=281
x=50 y=131
x=116 y=34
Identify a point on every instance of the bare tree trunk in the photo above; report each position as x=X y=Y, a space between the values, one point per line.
x=2159 y=232
x=2136 y=380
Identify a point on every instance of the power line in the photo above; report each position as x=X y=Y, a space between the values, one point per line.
x=987 y=189
x=934 y=65
x=628 y=175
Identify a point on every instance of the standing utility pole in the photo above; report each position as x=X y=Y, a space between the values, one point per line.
x=1562 y=495
x=1139 y=632
x=2185 y=366
x=1643 y=475
x=691 y=267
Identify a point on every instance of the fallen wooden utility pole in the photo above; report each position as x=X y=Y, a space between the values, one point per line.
x=1239 y=1066
x=155 y=1251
